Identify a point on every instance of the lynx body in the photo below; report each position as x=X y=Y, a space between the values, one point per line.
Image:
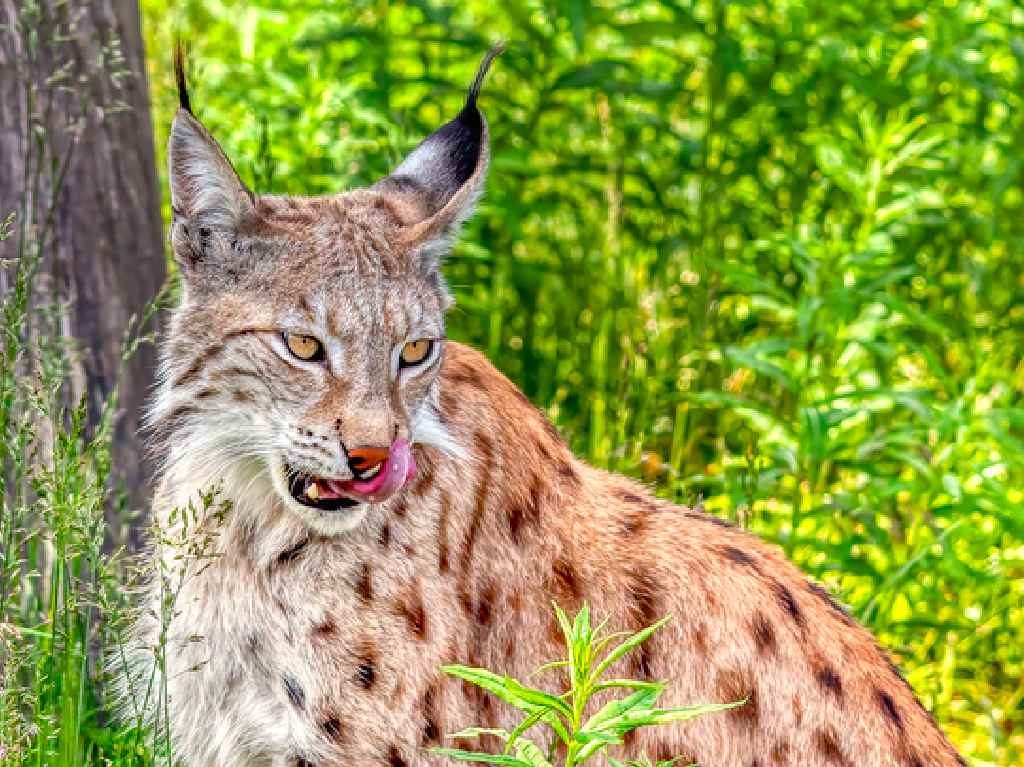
x=337 y=568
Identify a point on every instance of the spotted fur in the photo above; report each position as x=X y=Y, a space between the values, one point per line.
x=300 y=637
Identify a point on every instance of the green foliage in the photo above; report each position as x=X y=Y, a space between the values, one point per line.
x=764 y=254
x=564 y=715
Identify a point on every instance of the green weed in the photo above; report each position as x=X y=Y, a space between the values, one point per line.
x=582 y=737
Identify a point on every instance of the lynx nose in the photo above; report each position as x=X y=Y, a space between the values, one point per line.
x=366 y=460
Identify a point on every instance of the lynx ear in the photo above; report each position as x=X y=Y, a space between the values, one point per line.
x=444 y=175
x=206 y=194
x=205 y=190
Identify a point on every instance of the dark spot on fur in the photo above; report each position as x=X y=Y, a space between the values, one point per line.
x=466 y=600
x=906 y=685
x=788 y=602
x=735 y=686
x=400 y=509
x=395 y=758
x=552 y=430
x=327 y=628
x=424 y=484
x=198 y=364
x=828 y=746
x=366 y=673
x=366 y=667
x=829 y=680
x=701 y=516
x=485 y=449
x=568 y=474
x=822 y=594
x=294 y=690
x=555 y=634
x=763 y=633
x=628 y=496
x=642 y=598
x=888 y=706
x=364 y=582
x=384 y=539
x=303 y=762
x=516 y=516
x=332 y=729
x=431 y=706
x=411 y=608
x=633 y=523
x=443 y=562
x=664 y=751
x=431 y=734
x=780 y=754
x=740 y=557
x=565 y=582
x=698 y=635
x=241 y=395
x=526 y=513
x=485 y=604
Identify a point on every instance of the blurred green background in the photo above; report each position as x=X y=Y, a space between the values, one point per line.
x=764 y=254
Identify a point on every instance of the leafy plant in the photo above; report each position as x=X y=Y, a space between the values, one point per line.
x=583 y=737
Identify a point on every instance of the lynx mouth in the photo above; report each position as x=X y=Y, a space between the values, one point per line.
x=374 y=486
x=316 y=492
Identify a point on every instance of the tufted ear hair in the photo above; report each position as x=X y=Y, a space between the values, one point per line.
x=444 y=175
x=207 y=196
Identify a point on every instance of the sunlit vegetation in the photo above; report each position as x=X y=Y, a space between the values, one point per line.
x=764 y=255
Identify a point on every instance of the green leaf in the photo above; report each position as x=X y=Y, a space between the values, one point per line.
x=549 y=666
x=475 y=732
x=478 y=756
x=635 y=718
x=528 y=752
x=522 y=727
x=629 y=684
x=630 y=644
x=589 y=75
x=509 y=690
x=614 y=708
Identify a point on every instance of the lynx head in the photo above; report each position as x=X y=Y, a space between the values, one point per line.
x=303 y=358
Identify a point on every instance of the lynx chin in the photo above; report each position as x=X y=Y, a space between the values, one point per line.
x=385 y=502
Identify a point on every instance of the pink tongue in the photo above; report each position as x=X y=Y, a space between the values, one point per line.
x=398 y=469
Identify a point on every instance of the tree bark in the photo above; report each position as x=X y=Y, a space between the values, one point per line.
x=77 y=167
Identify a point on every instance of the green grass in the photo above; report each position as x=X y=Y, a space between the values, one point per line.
x=763 y=254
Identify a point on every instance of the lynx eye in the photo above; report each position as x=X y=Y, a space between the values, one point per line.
x=415 y=352
x=304 y=347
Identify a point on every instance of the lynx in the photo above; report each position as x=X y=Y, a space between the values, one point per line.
x=386 y=502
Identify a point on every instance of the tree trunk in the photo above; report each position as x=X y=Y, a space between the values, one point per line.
x=77 y=168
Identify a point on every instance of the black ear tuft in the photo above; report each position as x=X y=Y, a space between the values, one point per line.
x=445 y=172
x=481 y=73
x=179 y=76
x=462 y=135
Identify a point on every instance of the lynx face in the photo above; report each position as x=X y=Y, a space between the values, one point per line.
x=311 y=330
